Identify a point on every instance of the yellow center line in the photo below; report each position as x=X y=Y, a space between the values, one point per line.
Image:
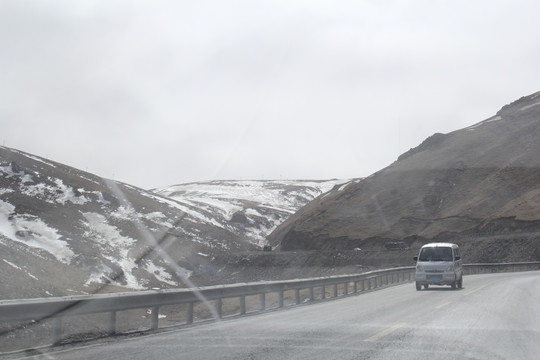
x=385 y=332
x=442 y=305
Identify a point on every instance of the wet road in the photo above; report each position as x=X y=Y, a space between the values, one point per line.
x=493 y=317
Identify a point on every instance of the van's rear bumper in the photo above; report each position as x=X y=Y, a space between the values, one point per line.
x=435 y=278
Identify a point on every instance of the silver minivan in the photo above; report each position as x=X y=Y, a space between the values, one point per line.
x=439 y=264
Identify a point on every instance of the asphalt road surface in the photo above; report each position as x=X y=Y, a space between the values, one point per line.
x=493 y=317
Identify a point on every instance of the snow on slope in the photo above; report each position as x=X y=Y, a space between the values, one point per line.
x=62 y=228
x=249 y=209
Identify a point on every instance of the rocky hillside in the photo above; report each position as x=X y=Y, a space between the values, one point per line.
x=478 y=187
x=64 y=231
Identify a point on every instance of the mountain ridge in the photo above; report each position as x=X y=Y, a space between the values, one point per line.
x=478 y=181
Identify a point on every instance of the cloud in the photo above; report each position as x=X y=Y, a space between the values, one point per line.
x=168 y=92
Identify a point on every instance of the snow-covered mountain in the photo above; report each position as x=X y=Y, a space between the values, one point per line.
x=249 y=209
x=66 y=231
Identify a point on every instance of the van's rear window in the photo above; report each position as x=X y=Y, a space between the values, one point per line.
x=436 y=254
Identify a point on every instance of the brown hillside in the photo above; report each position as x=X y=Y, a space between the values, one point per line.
x=481 y=182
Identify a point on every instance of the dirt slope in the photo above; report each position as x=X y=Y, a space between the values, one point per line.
x=481 y=182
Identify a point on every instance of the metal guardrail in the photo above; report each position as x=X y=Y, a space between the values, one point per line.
x=486 y=268
x=57 y=309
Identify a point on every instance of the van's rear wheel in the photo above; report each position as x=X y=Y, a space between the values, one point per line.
x=426 y=286
x=418 y=286
x=460 y=282
x=454 y=285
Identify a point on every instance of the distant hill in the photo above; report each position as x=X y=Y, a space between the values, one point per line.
x=478 y=186
x=65 y=231
x=249 y=209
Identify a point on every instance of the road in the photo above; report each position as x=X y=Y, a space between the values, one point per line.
x=493 y=317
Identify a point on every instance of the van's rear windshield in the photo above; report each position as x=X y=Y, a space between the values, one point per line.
x=436 y=254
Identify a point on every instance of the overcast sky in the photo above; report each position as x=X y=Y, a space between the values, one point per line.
x=156 y=93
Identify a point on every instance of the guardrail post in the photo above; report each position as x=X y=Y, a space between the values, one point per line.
x=346 y=288
x=263 y=301
x=297 y=296
x=57 y=330
x=219 y=308
x=323 y=296
x=189 y=313
x=335 y=290
x=362 y=286
x=154 y=318
x=311 y=294
x=355 y=287
x=242 y=305
x=112 y=323
x=280 y=299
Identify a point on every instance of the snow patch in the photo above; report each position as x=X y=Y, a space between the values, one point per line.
x=8 y=170
x=114 y=247
x=38 y=159
x=33 y=232
x=12 y=264
x=159 y=273
x=529 y=106
x=60 y=193
x=342 y=187
x=6 y=191
x=66 y=194
x=494 y=118
x=129 y=214
x=32 y=276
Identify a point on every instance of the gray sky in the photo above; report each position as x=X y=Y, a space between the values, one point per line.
x=156 y=93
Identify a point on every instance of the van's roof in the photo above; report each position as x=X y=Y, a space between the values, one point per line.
x=440 y=245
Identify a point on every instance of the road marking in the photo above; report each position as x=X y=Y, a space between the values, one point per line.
x=442 y=305
x=478 y=289
x=385 y=332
